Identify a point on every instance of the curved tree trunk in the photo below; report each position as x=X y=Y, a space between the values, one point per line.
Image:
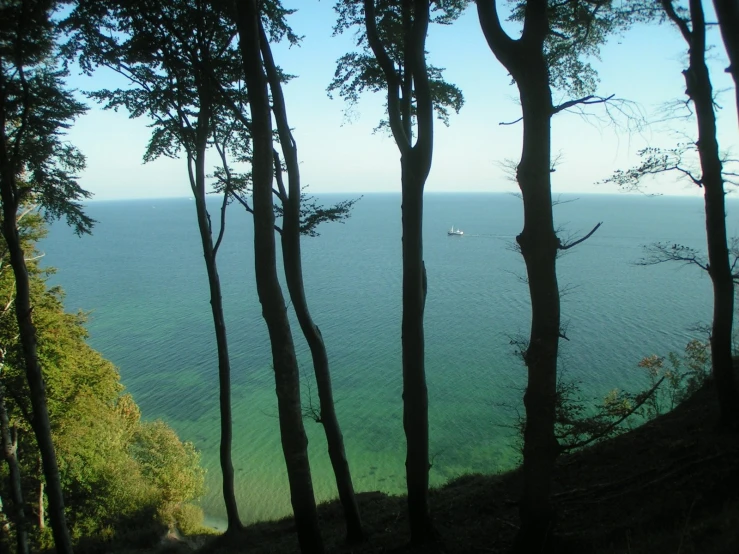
x=10 y=452
x=699 y=89
x=40 y=422
x=334 y=438
x=224 y=363
x=292 y=260
x=415 y=161
x=287 y=378
x=539 y=245
x=524 y=58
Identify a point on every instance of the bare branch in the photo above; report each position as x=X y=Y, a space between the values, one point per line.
x=567 y=246
x=511 y=122
x=585 y=100
x=661 y=252
x=607 y=430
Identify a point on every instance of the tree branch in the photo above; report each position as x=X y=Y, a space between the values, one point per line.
x=580 y=240
x=585 y=100
x=605 y=432
x=391 y=76
x=511 y=122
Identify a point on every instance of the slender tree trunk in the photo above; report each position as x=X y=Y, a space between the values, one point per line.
x=415 y=392
x=292 y=261
x=539 y=245
x=415 y=163
x=10 y=450
x=287 y=378
x=224 y=363
x=699 y=89
x=524 y=58
x=728 y=20
x=334 y=438
x=40 y=421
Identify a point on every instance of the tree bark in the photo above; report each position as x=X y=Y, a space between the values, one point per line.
x=728 y=20
x=274 y=311
x=539 y=245
x=415 y=166
x=292 y=260
x=524 y=59
x=40 y=421
x=699 y=89
x=415 y=392
x=10 y=451
x=219 y=322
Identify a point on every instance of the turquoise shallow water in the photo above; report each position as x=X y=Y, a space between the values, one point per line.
x=142 y=276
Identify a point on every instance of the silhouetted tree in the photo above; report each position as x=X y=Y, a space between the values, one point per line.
x=547 y=55
x=171 y=54
x=274 y=311
x=692 y=27
x=393 y=38
x=36 y=165
x=290 y=198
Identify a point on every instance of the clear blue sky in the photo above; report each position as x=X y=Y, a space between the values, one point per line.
x=339 y=154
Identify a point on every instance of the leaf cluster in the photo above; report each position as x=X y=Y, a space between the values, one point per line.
x=576 y=30
x=359 y=72
x=35 y=112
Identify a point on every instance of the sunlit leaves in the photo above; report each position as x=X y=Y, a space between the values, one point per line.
x=36 y=110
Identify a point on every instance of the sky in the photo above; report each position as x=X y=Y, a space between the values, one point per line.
x=339 y=152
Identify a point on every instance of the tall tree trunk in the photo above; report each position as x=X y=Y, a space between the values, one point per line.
x=337 y=454
x=27 y=331
x=219 y=324
x=539 y=245
x=524 y=58
x=274 y=311
x=728 y=20
x=292 y=260
x=10 y=451
x=699 y=89
x=224 y=369
x=415 y=392
x=415 y=161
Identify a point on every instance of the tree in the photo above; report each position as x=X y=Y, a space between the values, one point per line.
x=171 y=54
x=392 y=35
x=728 y=20
x=274 y=311
x=292 y=227
x=9 y=439
x=116 y=471
x=547 y=55
x=692 y=27
x=36 y=165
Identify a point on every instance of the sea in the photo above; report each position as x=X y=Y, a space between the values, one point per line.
x=141 y=277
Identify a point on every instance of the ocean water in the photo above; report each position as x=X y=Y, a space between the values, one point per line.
x=142 y=277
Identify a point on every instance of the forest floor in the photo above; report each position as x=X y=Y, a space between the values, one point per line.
x=669 y=486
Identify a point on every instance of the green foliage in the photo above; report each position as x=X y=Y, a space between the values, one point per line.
x=684 y=375
x=116 y=471
x=576 y=32
x=171 y=466
x=671 y=380
x=360 y=72
x=38 y=165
